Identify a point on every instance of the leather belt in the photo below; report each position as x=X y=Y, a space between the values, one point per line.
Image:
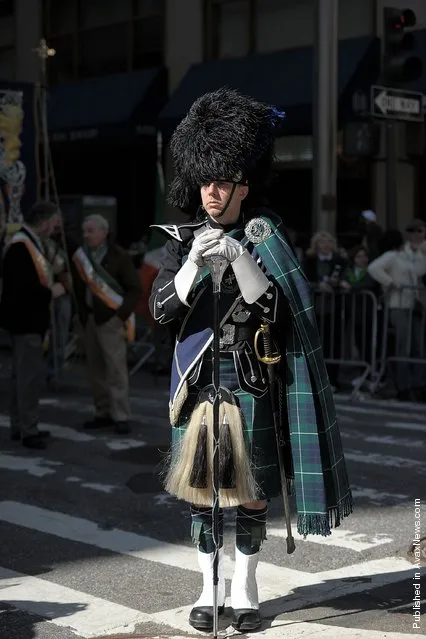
x=231 y=334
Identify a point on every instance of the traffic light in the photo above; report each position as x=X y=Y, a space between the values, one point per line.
x=400 y=63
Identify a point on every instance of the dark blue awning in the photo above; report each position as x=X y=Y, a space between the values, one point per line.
x=283 y=78
x=106 y=105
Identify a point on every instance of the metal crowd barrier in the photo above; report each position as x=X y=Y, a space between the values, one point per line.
x=403 y=343
x=383 y=335
x=380 y=335
x=144 y=347
x=348 y=327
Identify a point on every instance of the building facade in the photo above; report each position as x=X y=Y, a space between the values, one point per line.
x=103 y=38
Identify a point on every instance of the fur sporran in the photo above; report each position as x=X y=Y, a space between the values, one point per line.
x=191 y=473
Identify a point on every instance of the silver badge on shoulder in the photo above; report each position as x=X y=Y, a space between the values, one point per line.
x=257 y=230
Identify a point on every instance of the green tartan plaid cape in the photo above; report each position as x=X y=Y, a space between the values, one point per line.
x=318 y=472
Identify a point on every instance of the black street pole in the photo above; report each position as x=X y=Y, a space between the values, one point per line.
x=391 y=174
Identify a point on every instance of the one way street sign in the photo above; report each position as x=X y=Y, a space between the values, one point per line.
x=396 y=104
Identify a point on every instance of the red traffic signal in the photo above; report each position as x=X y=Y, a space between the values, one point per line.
x=400 y=64
x=396 y=21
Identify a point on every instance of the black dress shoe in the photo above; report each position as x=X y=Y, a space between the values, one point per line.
x=34 y=441
x=98 y=422
x=43 y=434
x=122 y=428
x=246 y=620
x=201 y=617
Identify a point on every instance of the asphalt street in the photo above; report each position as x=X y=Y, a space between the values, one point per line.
x=91 y=546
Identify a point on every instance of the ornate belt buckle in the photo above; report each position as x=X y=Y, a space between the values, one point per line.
x=228 y=335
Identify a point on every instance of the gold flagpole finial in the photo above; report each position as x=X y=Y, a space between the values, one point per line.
x=43 y=51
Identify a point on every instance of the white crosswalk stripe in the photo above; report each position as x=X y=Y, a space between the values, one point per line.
x=86 y=615
x=90 y=616
x=72 y=435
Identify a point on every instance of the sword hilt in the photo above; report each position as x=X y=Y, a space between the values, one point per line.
x=269 y=356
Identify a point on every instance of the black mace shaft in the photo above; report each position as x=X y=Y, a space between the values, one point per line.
x=217 y=266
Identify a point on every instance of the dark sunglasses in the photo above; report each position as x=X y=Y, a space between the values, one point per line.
x=420 y=229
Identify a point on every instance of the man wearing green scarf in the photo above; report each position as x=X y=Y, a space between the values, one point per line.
x=223 y=152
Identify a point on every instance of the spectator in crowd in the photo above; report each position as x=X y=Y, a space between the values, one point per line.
x=28 y=288
x=416 y=235
x=399 y=271
x=107 y=290
x=356 y=273
x=324 y=263
x=371 y=233
x=138 y=249
x=324 y=267
x=361 y=311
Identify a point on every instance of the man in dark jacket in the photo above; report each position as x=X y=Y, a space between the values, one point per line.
x=107 y=291
x=25 y=313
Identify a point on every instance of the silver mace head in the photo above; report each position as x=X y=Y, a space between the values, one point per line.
x=217 y=265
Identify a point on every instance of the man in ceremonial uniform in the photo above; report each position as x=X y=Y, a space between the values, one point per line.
x=223 y=152
x=107 y=290
x=28 y=288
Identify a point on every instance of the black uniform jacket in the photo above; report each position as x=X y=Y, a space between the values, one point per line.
x=238 y=329
x=25 y=302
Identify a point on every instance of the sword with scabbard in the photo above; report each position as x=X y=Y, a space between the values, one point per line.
x=271 y=359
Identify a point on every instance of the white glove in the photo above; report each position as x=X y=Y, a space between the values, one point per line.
x=226 y=247
x=204 y=241
x=186 y=276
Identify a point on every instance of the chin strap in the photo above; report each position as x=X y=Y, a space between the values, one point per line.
x=231 y=195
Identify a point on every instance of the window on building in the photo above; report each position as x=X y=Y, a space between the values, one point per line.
x=97 y=13
x=234 y=29
x=104 y=51
x=150 y=8
x=230 y=28
x=148 y=42
x=7 y=63
x=103 y=37
x=7 y=8
x=60 y=17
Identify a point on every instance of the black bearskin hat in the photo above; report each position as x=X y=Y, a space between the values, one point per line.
x=225 y=136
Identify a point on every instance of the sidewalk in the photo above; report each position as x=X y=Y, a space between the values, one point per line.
x=373 y=402
x=74 y=380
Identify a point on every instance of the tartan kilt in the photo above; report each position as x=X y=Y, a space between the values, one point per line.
x=259 y=431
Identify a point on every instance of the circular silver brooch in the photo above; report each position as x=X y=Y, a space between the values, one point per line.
x=257 y=230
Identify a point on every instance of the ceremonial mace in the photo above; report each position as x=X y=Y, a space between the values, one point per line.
x=217 y=266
